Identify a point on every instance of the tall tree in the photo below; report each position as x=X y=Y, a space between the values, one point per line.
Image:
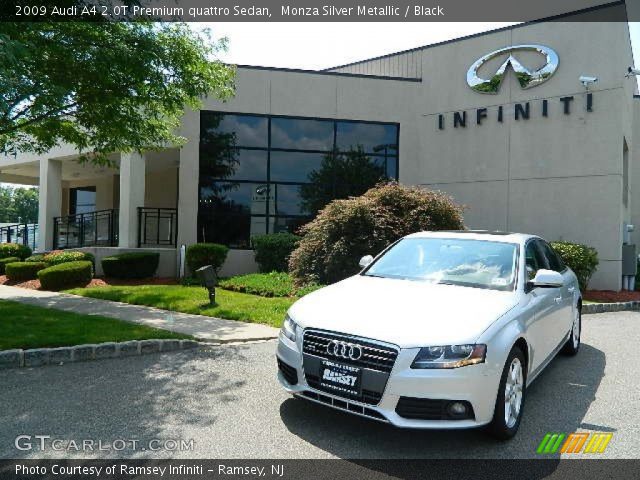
x=18 y=205
x=103 y=86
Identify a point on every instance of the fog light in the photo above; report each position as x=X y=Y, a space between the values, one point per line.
x=457 y=409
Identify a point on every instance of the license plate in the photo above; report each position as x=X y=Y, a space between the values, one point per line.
x=341 y=378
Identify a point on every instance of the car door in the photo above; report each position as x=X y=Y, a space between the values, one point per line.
x=564 y=298
x=543 y=308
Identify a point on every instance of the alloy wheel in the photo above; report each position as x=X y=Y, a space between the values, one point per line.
x=575 y=331
x=513 y=393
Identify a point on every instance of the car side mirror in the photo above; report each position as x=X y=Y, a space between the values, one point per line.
x=365 y=261
x=547 y=279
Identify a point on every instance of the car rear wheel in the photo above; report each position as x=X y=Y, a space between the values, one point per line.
x=573 y=343
x=511 y=394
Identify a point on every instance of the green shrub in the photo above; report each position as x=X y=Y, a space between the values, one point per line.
x=582 y=259
x=14 y=250
x=38 y=257
x=4 y=261
x=56 y=257
x=346 y=230
x=66 y=275
x=131 y=265
x=273 y=284
x=201 y=254
x=20 y=272
x=273 y=251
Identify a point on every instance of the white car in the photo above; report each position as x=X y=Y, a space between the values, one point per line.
x=441 y=330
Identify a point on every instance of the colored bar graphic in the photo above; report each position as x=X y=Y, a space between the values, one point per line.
x=597 y=442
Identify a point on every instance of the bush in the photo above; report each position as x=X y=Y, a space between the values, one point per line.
x=39 y=257
x=14 y=250
x=583 y=260
x=4 y=261
x=201 y=254
x=66 y=275
x=273 y=284
x=273 y=251
x=56 y=257
x=131 y=265
x=23 y=271
x=346 y=230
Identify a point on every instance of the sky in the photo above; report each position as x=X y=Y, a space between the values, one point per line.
x=316 y=46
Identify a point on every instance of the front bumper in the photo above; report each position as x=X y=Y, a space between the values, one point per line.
x=475 y=384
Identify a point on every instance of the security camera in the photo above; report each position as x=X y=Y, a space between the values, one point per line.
x=586 y=81
x=632 y=71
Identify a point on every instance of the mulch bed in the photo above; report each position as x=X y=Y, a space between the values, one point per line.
x=96 y=282
x=609 y=296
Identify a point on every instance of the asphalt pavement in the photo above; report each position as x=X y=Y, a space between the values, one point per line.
x=224 y=402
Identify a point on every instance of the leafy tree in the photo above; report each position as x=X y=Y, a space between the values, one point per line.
x=103 y=86
x=18 y=205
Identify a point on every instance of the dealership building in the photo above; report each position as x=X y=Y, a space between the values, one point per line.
x=534 y=128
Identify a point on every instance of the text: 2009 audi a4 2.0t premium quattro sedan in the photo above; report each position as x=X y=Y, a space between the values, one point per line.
x=441 y=330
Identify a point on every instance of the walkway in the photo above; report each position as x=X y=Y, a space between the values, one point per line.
x=207 y=329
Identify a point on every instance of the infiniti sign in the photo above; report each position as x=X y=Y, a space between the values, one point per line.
x=344 y=350
x=527 y=78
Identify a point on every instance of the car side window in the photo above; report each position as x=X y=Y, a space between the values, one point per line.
x=532 y=260
x=553 y=259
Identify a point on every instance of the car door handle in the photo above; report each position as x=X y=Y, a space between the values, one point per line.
x=557 y=299
x=571 y=289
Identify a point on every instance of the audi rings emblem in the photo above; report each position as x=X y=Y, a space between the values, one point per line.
x=345 y=350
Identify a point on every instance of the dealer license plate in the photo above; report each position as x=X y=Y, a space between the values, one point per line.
x=340 y=378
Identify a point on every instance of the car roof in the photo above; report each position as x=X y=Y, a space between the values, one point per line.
x=487 y=235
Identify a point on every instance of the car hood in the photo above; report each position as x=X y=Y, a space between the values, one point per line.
x=403 y=312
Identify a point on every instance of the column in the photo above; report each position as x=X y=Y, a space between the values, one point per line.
x=188 y=179
x=49 y=201
x=132 y=182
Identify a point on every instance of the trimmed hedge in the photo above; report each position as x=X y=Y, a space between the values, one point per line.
x=131 y=265
x=14 y=250
x=346 y=230
x=57 y=257
x=201 y=254
x=66 y=275
x=582 y=259
x=4 y=261
x=273 y=251
x=38 y=257
x=23 y=271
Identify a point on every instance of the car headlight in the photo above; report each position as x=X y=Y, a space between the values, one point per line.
x=449 y=356
x=289 y=328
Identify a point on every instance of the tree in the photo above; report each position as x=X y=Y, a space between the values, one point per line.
x=103 y=86
x=18 y=205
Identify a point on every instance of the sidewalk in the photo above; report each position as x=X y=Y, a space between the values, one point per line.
x=207 y=329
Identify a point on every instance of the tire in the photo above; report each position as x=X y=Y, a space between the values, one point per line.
x=573 y=344
x=515 y=373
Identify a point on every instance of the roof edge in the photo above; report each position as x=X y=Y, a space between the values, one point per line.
x=336 y=74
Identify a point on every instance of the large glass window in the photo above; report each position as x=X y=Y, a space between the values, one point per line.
x=263 y=174
x=82 y=200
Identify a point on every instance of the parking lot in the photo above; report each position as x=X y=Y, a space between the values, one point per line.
x=224 y=402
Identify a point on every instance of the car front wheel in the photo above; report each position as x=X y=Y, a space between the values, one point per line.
x=511 y=394
x=573 y=344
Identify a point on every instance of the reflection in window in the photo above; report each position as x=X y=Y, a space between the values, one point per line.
x=261 y=174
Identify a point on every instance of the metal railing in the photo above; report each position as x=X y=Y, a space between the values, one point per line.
x=157 y=227
x=23 y=233
x=99 y=228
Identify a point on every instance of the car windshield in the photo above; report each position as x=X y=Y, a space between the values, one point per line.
x=471 y=263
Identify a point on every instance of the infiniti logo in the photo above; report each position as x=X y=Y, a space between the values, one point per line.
x=527 y=78
x=344 y=350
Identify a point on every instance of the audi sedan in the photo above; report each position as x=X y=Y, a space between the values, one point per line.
x=441 y=330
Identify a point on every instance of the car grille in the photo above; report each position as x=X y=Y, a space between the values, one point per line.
x=376 y=363
x=374 y=356
x=342 y=405
x=429 y=409
x=288 y=372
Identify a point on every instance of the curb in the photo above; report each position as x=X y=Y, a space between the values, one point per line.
x=38 y=357
x=589 y=308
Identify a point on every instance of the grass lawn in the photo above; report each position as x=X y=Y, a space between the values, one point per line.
x=274 y=284
x=26 y=326
x=230 y=305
